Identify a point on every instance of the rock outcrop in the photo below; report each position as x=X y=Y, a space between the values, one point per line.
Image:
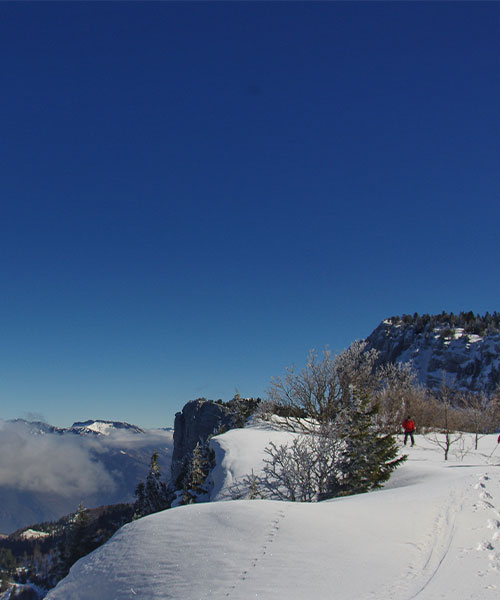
x=198 y=420
x=440 y=352
x=201 y=419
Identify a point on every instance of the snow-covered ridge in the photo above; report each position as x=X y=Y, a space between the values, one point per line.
x=90 y=427
x=464 y=360
x=103 y=427
x=433 y=532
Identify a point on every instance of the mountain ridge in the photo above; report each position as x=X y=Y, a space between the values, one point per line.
x=463 y=351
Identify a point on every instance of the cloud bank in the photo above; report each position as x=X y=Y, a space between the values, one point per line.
x=50 y=463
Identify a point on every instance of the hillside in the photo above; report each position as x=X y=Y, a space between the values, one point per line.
x=433 y=532
x=463 y=350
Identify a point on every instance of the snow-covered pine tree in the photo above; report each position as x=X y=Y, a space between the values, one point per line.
x=198 y=469
x=153 y=495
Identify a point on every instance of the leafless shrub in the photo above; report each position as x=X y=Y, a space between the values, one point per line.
x=318 y=392
x=447 y=430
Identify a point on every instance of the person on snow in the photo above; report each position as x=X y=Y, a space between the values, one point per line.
x=409 y=429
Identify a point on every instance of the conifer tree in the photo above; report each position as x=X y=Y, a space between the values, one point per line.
x=368 y=457
x=77 y=542
x=198 y=469
x=153 y=495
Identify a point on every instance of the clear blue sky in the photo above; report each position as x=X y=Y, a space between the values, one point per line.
x=194 y=195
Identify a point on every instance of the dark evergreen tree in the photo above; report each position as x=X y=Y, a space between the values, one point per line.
x=368 y=456
x=153 y=495
x=77 y=542
x=200 y=464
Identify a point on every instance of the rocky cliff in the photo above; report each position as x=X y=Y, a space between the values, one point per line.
x=440 y=349
x=201 y=419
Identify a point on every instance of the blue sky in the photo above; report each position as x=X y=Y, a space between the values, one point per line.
x=194 y=195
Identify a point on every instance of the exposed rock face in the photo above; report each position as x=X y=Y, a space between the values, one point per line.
x=198 y=420
x=466 y=361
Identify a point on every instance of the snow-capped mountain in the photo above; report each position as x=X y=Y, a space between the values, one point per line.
x=103 y=427
x=461 y=352
x=46 y=471
x=91 y=427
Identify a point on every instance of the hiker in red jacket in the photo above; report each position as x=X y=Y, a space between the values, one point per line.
x=409 y=429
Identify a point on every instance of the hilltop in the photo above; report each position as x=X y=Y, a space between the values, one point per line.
x=462 y=350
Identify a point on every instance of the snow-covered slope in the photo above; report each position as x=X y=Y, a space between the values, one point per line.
x=466 y=361
x=433 y=532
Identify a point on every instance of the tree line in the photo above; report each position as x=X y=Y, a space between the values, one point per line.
x=487 y=324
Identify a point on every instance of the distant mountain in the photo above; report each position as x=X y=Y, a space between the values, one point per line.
x=38 y=427
x=103 y=427
x=46 y=471
x=463 y=350
x=92 y=427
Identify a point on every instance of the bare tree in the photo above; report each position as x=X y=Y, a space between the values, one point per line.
x=395 y=395
x=481 y=414
x=250 y=487
x=347 y=449
x=304 y=470
x=447 y=431
x=317 y=393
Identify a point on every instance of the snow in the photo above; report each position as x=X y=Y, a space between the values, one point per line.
x=433 y=532
x=31 y=534
x=101 y=427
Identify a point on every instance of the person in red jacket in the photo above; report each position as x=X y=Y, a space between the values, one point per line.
x=409 y=429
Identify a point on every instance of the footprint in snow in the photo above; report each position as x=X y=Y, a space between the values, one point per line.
x=484 y=495
x=484 y=546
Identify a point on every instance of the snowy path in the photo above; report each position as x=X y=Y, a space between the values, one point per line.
x=434 y=534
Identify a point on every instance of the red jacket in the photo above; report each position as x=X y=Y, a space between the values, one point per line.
x=409 y=425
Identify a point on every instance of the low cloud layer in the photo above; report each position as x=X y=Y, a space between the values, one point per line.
x=45 y=475
x=50 y=463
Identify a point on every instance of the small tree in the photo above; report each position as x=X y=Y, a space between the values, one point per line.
x=8 y=566
x=481 y=414
x=153 y=495
x=200 y=464
x=77 y=542
x=394 y=396
x=300 y=471
x=447 y=423
x=368 y=456
x=250 y=487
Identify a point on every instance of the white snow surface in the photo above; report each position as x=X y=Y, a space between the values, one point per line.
x=32 y=534
x=432 y=532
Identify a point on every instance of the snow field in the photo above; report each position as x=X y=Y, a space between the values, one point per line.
x=432 y=533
